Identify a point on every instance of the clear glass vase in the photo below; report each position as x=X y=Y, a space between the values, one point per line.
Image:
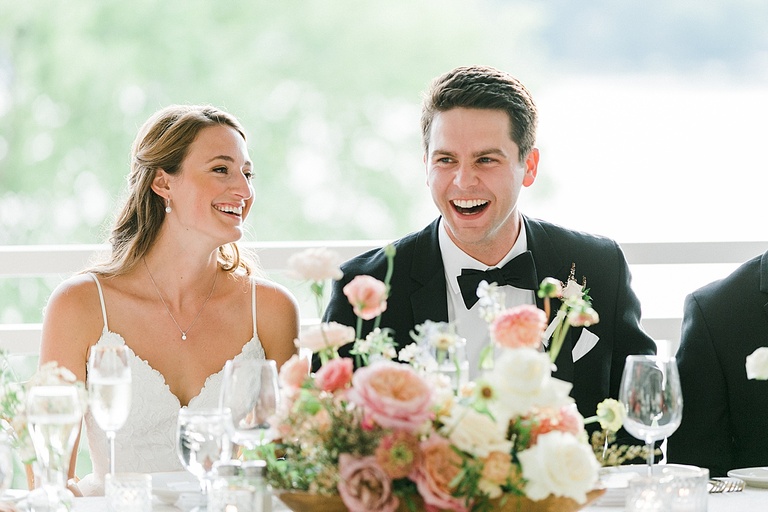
x=453 y=363
x=53 y=415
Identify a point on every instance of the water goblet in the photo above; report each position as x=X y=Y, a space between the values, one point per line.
x=650 y=390
x=251 y=392
x=109 y=391
x=54 y=415
x=201 y=441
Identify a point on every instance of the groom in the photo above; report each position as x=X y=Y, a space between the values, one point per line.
x=479 y=131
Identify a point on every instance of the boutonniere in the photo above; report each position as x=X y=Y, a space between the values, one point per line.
x=575 y=307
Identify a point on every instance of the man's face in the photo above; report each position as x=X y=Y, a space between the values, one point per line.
x=475 y=176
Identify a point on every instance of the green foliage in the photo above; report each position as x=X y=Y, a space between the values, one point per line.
x=328 y=90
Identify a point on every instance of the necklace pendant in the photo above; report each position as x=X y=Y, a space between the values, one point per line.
x=183 y=336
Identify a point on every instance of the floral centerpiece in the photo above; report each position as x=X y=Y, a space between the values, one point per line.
x=393 y=436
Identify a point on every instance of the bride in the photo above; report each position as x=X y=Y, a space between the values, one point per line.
x=175 y=289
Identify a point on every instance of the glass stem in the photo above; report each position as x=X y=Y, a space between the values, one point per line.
x=649 y=447
x=111 y=439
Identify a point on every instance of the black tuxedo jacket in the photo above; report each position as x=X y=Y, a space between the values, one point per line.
x=725 y=416
x=418 y=293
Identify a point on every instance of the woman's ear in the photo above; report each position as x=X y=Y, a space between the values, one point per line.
x=161 y=184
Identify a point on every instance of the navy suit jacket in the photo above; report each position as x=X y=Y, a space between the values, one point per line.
x=418 y=293
x=725 y=415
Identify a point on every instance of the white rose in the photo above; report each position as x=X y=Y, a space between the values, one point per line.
x=572 y=290
x=757 y=364
x=325 y=335
x=559 y=464
x=522 y=379
x=474 y=432
x=315 y=264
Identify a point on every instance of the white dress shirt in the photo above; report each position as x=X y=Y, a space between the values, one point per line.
x=469 y=324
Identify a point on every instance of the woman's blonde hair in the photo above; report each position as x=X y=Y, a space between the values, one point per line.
x=162 y=143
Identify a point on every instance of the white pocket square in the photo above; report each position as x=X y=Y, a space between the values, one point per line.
x=587 y=342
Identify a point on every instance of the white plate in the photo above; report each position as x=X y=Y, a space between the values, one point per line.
x=616 y=480
x=754 y=477
x=168 y=487
x=13 y=495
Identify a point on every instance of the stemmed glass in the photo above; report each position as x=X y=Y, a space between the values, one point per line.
x=109 y=391
x=201 y=441
x=650 y=390
x=251 y=393
x=53 y=417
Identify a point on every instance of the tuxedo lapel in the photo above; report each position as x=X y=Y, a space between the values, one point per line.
x=429 y=299
x=544 y=246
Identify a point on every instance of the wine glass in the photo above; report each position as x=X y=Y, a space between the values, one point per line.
x=251 y=393
x=201 y=441
x=109 y=391
x=53 y=418
x=650 y=390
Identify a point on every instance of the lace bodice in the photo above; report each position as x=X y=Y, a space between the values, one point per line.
x=147 y=441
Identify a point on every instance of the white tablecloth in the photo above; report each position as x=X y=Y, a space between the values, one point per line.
x=748 y=500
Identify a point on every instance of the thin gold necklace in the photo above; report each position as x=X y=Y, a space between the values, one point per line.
x=182 y=331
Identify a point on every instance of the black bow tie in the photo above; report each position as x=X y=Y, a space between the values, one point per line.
x=520 y=272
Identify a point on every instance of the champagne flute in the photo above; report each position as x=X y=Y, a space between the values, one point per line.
x=251 y=393
x=650 y=390
x=109 y=391
x=54 y=415
x=201 y=441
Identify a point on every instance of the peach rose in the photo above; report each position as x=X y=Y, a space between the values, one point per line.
x=294 y=371
x=364 y=486
x=367 y=295
x=392 y=395
x=497 y=467
x=440 y=465
x=335 y=374
x=521 y=326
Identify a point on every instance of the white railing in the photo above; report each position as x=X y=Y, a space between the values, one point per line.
x=663 y=274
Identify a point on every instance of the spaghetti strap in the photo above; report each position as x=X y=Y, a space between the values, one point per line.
x=253 y=307
x=101 y=299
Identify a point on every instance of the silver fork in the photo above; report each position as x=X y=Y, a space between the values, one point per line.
x=717 y=485
x=734 y=485
x=714 y=485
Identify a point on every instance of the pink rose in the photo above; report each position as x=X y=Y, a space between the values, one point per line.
x=393 y=395
x=335 y=374
x=325 y=336
x=521 y=326
x=367 y=295
x=364 y=486
x=294 y=371
x=440 y=465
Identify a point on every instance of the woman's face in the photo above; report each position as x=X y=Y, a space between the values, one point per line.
x=212 y=194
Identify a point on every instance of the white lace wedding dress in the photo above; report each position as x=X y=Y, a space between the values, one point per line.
x=147 y=441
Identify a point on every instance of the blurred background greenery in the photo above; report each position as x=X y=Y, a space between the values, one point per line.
x=329 y=91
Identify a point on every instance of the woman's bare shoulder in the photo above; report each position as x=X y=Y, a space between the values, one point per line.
x=78 y=291
x=271 y=290
x=72 y=318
